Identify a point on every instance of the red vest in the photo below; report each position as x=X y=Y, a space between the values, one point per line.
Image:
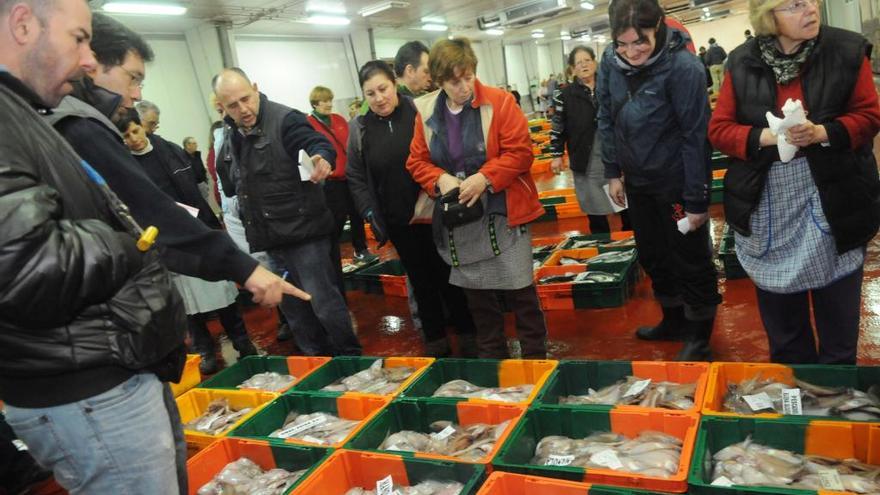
x=337 y=134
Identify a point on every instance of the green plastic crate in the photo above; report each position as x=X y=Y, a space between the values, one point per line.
x=552 y=200
x=833 y=439
x=249 y=366
x=343 y=366
x=720 y=161
x=727 y=254
x=716 y=194
x=369 y=279
x=209 y=462
x=576 y=377
x=549 y=213
x=600 y=237
x=542 y=421
x=418 y=414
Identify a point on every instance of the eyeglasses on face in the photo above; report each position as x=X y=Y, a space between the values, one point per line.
x=798 y=6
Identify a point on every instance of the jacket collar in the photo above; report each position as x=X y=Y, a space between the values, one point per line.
x=21 y=89
x=264 y=100
x=479 y=95
x=105 y=101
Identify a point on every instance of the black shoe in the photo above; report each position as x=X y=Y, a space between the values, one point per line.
x=670 y=328
x=438 y=348
x=284 y=332
x=245 y=348
x=697 y=348
x=209 y=365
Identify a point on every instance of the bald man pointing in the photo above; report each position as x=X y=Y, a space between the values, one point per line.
x=283 y=209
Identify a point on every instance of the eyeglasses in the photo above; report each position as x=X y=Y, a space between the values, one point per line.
x=583 y=63
x=137 y=81
x=798 y=7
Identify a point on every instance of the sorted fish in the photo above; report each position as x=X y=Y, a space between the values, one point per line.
x=557 y=279
x=815 y=400
x=543 y=249
x=595 y=277
x=469 y=443
x=749 y=463
x=613 y=257
x=463 y=388
x=319 y=427
x=269 y=380
x=629 y=241
x=217 y=418
x=244 y=477
x=639 y=392
x=537 y=264
x=428 y=487
x=652 y=453
x=373 y=380
x=568 y=260
x=585 y=243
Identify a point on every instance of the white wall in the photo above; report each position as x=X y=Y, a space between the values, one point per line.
x=286 y=69
x=172 y=85
x=387 y=47
x=728 y=32
x=545 y=67
x=490 y=62
x=517 y=75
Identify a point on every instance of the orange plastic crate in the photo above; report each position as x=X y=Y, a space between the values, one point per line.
x=582 y=253
x=194 y=403
x=556 y=296
x=540 y=167
x=719 y=174
x=191 y=375
x=501 y=483
x=569 y=210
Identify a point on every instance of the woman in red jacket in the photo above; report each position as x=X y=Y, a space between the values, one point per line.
x=471 y=145
x=801 y=225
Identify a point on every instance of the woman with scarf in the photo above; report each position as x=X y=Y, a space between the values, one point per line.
x=653 y=113
x=574 y=126
x=471 y=147
x=801 y=225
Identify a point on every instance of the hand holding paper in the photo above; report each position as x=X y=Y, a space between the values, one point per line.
x=793 y=115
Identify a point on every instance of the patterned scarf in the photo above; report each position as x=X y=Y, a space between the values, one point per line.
x=785 y=67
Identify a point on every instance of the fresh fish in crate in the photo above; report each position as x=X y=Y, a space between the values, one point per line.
x=463 y=388
x=568 y=260
x=270 y=380
x=217 y=418
x=652 y=453
x=543 y=249
x=613 y=257
x=244 y=477
x=557 y=279
x=585 y=243
x=751 y=464
x=636 y=391
x=320 y=428
x=815 y=400
x=429 y=487
x=595 y=277
x=629 y=241
x=373 y=380
x=469 y=443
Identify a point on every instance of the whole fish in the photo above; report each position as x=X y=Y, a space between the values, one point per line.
x=217 y=418
x=593 y=277
x=244 y=477
x=373 y=380
x=613 y=257
x=471 y=443
x=429 y=487
x=752 y=464
x=270 y=380
x=641 y=392
x=320 y=428
x=557 y=279
x=652 y=453
x=463 y=388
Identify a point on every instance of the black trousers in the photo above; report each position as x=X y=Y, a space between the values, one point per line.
x=230 y=320
x=680 y=265
x=342 y=206
x=836 y=309
x=489 y=316
x=429 y=276
x=599 y=223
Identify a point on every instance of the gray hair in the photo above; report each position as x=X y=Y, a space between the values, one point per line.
x=145 y=106
x=42 y=8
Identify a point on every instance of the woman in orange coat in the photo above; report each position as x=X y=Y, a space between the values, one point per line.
x=471 y=145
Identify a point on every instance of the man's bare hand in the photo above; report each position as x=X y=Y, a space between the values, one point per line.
x=322 y=169
x=268 y=288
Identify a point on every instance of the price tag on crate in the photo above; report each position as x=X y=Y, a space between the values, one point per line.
x=385 y=486
x=304 y=426
x=607 y=458
x=722 y=481
x=445 y=433
x=830 y=480
x=559 y=460
x=759 y=402
x=637 y=387
x=791 y=401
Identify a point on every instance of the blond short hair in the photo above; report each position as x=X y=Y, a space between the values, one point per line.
x=761 y=16
x=319 y=94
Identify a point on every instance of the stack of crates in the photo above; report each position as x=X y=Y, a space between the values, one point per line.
x=559 y=203
x=716 y=194
x=539 y=129
x=727 y=254
x=833 y=438
x=386 y=278
x=567 y=295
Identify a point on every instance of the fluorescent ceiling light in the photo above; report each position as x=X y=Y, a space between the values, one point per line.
x=491 y=24
x=434 y=27
x=433 y=20
x=382 y=6
x=537 y=35
x=588 y=5
x=706 y=9
x=495 y=32
x=144 y=8
x=585 y=37
x=565 y=37
x=328 y=20
x=326 y=7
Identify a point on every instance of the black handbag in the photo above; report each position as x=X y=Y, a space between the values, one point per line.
x=454 y=213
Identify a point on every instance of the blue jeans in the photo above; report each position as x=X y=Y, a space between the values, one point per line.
x=322 y=326
x=120 y=441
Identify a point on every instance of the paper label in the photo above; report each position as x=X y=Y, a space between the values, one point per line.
x=684 y=225
x=722 y=481
x=443 y=435
x=385 y=486
x=614 y=206
x=791 y=401
x=304 y=426
x=559 y=460
x=607 y=458
x=637 y=387
x=189 y=209
x=830 y=480
x=19 y=444
x=759 y=402
x=306 y=167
